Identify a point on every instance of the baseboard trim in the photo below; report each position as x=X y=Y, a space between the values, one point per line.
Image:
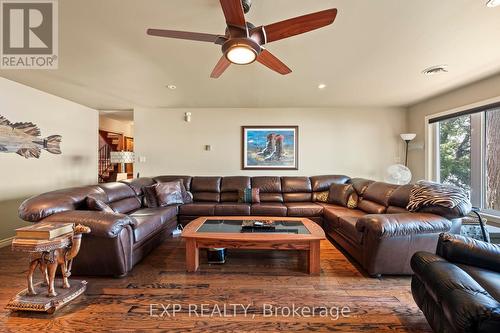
x=6 y=242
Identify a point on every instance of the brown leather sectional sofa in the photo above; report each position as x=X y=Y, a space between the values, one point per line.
x=381 y=235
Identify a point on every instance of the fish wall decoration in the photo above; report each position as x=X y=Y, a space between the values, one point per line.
x=25 y=139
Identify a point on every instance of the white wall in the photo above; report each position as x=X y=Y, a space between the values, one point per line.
x=77 y=165
x=473 y=93
x=124 y=127
x=360 y=142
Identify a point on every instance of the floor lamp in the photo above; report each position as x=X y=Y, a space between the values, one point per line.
x=407 y=137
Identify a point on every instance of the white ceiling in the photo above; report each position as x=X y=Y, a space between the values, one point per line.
x=373 y=55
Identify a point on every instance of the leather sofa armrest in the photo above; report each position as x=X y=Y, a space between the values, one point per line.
x=107 y=225
x=468 y=251
x=389 y=225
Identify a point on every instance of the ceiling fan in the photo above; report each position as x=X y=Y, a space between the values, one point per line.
x=243 y=42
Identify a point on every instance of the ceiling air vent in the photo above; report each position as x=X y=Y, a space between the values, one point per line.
x=435 y=70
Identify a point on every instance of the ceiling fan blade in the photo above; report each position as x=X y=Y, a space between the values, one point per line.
x=233 y=12
x=299 y=25
x=270 y=61
x=221 y=66
x=198 y=36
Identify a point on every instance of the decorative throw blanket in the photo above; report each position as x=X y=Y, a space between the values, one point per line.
x=425 y=194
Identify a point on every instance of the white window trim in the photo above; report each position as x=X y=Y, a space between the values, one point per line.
x=430 y=166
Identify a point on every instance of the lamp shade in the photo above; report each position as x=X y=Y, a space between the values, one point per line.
x=408 y=136
x=122 y=157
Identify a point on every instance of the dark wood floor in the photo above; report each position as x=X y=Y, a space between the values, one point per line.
x=257 y=278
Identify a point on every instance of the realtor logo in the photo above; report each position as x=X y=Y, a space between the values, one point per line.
x=29 y=34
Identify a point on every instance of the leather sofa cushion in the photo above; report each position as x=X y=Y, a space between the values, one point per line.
x=297 y=197
x=395 y=210
x=168 y=178
x=165 y=213
x=323 y=183
x=361 y=184
x=303 y=209
x=449 y=213
x=271 y=197
x=137 y=184
x=269 y=209
x=340 y=194
x=98 y=205
x=198 y=209
x=296 y=184
x=206 y=184
x=39 y=207
x=124 y=206
x=347 y=227
x=332 y=213
x=267 y=184
x=229 y=197
x=225 y=209
x=206 y=197
x=149 y=220
x=235 y=183
x=371 y=207
x=489 y=280
x=117 y=191
x=230 y=187
x=401 y=196
x=379 y=192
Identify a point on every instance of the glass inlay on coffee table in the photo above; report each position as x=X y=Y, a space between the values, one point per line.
x=284 y=233
x=235 y=226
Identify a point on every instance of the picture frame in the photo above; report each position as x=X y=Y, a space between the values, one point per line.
x=269 y=147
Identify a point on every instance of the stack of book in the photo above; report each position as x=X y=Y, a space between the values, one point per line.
x=42 y=236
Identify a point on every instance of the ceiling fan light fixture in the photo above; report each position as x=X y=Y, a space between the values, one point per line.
x=241 y=54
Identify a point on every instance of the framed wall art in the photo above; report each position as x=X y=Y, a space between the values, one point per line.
x=270 y=147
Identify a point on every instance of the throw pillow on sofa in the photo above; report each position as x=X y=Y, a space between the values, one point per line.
x=169 y=193
x=151 y=197
x=98 y=205
x=429 y=197
x=321 y=196
x=187 y=197
x=249 y=195
x=343 y=195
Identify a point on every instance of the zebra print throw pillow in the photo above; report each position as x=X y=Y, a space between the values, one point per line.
x=427 y=194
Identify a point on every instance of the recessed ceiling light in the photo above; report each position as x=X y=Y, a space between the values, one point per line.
x=434 y=70
x=172 y=87
x=321 y=86
x=493 y=3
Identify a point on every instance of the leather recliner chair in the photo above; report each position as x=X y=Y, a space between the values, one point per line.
x=458 y=288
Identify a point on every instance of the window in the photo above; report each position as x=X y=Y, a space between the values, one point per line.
x=466 y=153
x=454 y=152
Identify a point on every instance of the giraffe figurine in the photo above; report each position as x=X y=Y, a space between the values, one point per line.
x=49 y=260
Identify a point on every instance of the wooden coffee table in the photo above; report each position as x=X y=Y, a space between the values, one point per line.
x=225 y=232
